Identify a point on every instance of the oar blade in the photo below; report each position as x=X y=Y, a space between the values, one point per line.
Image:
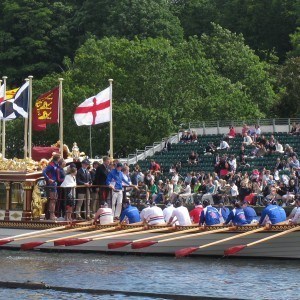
x=75 y=242
x=60 y=242
x=139 y=245
x=234 y=250
x=30 y=245
x=185 y=251
x=6 y=241
x=120 y=244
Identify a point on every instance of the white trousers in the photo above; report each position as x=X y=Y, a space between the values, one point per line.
x=117 y=197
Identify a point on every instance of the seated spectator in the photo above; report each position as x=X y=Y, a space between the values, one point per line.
x=232 y=133
x=278 y=147
x=234 y=192
x=232 y=163
x=271 y=146
x=193 y=158
x=294 y=128
x=292 y=190
x=223 y=145
x=294 y=163
x=257 y=131
x=153 y=191
x=194 y=137
x=154 y=167
x=279 y=165
x=210 y=148
x=247 y=140
x=210 y=191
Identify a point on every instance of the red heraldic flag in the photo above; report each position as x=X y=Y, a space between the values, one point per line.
x=94 y=110
x=45 y=110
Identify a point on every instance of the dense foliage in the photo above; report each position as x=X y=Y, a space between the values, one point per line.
x=171 y=61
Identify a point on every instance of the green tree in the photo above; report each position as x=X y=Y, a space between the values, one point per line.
x=130 y=18
x=289 y=83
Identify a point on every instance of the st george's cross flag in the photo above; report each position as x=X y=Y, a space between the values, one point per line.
x=94 y=110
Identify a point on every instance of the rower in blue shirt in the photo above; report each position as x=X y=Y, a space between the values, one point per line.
x=209 y=215
x=272 y=213
x=250 y=213
x=223 y=211
x=236 y=216
x=130 y=213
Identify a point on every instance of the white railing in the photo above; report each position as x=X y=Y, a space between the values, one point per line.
x=213 y=127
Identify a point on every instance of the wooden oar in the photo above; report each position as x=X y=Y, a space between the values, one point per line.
x=127 y=232
x=61 y=241
x=186 y=251
x=31 y=234
x=144 y=244
x=120 y=244
x=31 y=245
x=235 y=249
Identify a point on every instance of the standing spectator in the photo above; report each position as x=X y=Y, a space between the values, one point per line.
x=50 y=175
x=115 y=180
x=70 y=183
x=94 y=193
x=100 y=179
x=61 y=174
x=83 y=178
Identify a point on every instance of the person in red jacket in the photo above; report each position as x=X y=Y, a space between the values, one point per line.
x=195 y=213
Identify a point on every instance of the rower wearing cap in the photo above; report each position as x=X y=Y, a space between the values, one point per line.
x=272 y=213
x=209 y=215
x=104 y=215
x=130 y=213
x=250 y=213
x=181 y=213
x=154 y=215
x=237 y=215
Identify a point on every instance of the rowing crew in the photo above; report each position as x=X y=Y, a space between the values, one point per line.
x=240 y=215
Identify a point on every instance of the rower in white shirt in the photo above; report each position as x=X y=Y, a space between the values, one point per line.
x=181 y=213
x=144 y=211
x=154 y=215
x=168 y=210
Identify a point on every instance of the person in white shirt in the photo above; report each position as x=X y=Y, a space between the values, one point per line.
x=295 y=219
x=154 y=215
x=175 y=178
x=223 y=145
x=247 y=141
x=70 y=183
x=144 y=212
x=167 y=211
x=234 y=192
x=181 y=213
x=186 y=192
x=279 y=147
x=104 y=214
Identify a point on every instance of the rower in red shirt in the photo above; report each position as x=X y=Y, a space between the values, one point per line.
x=196 y=212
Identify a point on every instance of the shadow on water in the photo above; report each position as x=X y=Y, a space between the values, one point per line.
x=210 y=277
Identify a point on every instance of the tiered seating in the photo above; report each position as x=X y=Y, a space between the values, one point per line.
x=180 y=153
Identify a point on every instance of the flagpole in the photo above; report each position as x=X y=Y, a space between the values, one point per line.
x=61 y=119
x=111 y=150
x=3 y=129
x=26 y=121
x=91 y=150
x=30 y=118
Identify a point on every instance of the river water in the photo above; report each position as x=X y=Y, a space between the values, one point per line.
x=224 y=278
